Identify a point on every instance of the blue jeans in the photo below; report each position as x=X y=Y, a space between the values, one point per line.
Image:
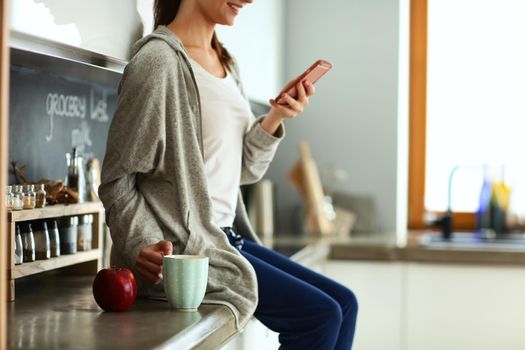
x=307 y=309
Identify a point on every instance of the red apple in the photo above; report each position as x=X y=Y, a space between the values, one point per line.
x=115 y=289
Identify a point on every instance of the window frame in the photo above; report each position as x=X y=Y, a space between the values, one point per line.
x=417 y=124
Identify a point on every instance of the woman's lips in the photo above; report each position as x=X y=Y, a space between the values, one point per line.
x=234 y=7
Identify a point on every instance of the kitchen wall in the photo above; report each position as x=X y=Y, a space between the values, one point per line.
x=257 y=42
x=356 y=120
x=353 y=120
x=107 y=27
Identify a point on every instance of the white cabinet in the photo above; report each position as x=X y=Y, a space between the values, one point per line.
x=255 y=336
x=416 y=306
x=461 y=307
x=378 y=287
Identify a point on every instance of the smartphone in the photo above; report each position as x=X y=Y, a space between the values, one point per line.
x=312 y=74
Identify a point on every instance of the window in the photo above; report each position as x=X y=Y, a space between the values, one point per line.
x=467 y=104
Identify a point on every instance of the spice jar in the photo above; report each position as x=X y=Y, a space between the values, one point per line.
x=29 y=197
x=85 y=232
x=40 y=196
x=28 y=242
x=17 y=198
x=41 y=235
x=54 y=238
x=19 y=248
x=68 y=234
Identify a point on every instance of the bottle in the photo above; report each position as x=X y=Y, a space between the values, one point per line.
x=29 y=197
x=41 y=196
x=68 y=234
x=42 y=245
x=75 y=174
x=483 y=219
x=19 y=248
x=54 y=238
x=28 y=242
x=85 y=232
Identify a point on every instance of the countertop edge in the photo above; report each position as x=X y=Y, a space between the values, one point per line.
x=209 y=332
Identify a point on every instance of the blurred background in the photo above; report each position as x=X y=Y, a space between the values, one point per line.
x=416 y=134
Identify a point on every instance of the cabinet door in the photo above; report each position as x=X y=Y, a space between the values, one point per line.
x=255 y=336
x=378 y=287
x=459 y=307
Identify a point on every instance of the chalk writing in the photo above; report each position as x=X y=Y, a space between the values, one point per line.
x=99 y=108
x=71 y=106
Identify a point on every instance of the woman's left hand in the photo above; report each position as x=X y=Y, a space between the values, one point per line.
x=290 y=107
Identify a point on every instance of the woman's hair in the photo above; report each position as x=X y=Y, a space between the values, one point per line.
x=165 y=11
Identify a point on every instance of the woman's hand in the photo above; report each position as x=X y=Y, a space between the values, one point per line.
x=289 y=108
x=149 y=261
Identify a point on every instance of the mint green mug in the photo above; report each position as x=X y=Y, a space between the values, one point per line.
x=185 y=280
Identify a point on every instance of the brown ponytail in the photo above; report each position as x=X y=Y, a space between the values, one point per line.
x=165 y=12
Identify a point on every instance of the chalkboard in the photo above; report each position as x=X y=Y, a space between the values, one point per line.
x=49 y=114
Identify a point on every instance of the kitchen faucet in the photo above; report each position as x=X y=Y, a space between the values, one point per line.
x=445 y=222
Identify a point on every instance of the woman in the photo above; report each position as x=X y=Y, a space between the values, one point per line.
x=181 y=143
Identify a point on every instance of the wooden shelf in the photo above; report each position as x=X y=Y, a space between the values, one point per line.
x=54 y=211
x=30 y=268
x=93 y=257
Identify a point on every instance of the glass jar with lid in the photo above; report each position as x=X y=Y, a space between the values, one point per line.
x=17 y=198
x=40 y=196
x=29 y=196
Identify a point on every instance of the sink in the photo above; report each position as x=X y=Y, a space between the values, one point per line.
x=474 y=240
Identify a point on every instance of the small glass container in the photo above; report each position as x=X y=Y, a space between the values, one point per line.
x=8 y=197
x=40 y=197
x=54 y=238
x=68 y=229
x=85 y=232
x=28 y=242
x=42 y=245
x=19 y=247
x=29 y=197
x=17 y=198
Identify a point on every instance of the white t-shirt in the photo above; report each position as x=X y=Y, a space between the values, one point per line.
x=226 y=117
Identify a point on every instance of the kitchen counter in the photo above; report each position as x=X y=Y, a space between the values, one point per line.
x=61 y=313
x=52 y=311
x=383 y=247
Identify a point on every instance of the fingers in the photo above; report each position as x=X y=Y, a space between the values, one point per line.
x=150 y=259
x=152 y=254
x=165 y=247
x=147 y=275
x=310 y=88
x=283 y=110
x=148 y=265
x=301 y=94
x=293 y=103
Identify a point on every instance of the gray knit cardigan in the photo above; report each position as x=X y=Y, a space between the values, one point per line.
x=153 y=180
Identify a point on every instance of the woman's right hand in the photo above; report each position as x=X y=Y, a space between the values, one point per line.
x=149 y=261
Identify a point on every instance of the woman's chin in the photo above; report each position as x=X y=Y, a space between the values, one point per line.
x=227 y=20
